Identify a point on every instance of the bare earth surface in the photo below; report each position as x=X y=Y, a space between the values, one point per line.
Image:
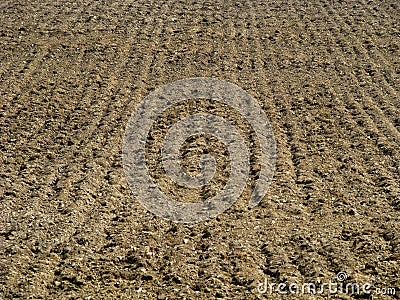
x=327 y=74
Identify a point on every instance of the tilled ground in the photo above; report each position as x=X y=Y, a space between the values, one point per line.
x=327 y=75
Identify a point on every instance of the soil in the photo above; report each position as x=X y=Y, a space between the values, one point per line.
x=326 y=73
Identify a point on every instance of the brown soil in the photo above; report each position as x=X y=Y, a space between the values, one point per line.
x=326 y=73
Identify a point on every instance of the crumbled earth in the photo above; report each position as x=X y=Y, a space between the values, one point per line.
x=326 y=73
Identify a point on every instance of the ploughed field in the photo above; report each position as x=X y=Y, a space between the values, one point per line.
x=327 y=75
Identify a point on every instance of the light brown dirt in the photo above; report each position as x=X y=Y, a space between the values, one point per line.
x=326 y=73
